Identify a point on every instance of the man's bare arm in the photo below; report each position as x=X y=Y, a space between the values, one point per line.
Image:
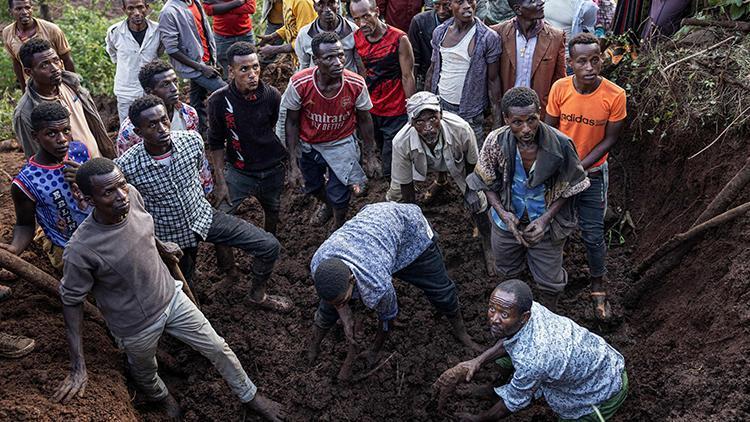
x=67 y=60
x=221 y=191
x=611 y=135
x=75 y=383
x=23 y=231
x=20 y=77
x=428 y=78
x=552 y=121
x=406 y=62
x=495 y=89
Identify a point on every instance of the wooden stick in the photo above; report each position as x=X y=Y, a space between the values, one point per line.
x=727 y=194
x=681 y=238
x=740 y=26
x=46 y=282
x=177 y=273
x=372 y=371
x=696 y=54
x=726 y=129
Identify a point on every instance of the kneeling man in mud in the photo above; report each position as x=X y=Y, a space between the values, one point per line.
x=529 y=171
x=544 y=355
x=115 y=255
x=384 y=240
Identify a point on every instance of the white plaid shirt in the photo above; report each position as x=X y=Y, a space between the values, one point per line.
x=172 y=193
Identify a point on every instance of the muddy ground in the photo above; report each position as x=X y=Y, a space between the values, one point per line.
x=685 y=343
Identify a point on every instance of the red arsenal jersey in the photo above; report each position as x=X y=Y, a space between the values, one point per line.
x=325 y=119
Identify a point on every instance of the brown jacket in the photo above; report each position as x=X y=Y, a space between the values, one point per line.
x=548 y=64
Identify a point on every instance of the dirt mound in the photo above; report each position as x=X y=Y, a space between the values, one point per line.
x=685 y=344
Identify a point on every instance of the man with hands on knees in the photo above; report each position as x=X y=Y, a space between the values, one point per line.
x=359 y=260
x=529 y=171
x=115 y=255
x=541 y=355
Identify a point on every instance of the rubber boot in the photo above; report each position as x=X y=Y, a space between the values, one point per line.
x=259 y=279
x=549 y=299
x=339 y=218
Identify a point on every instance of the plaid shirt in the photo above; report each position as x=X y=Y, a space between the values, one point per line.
x=172 y=193
x=127 y=137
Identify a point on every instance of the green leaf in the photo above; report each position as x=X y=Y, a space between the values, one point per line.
x=736 y=11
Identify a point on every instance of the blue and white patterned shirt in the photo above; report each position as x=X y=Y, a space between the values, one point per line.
x=555 y=358
x=172 y=192
x=380 y=240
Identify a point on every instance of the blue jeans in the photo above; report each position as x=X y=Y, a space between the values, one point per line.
x=222 y=46
x=427 y=273
x=313 y=167
x=476 y=122
x=591 y=206
x=200 y=88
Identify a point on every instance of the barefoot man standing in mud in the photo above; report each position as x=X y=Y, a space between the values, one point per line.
x=542 y=354
x=359 y=260
x=115 y=255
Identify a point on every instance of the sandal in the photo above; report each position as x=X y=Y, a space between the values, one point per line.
x=602 y=309
x=274 y=303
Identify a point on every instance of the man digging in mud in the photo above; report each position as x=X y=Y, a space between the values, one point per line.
x=165 y=168
x=529 y=171
x=544 y=355
x=384 y=240
x=437 y=141
x=115 y=255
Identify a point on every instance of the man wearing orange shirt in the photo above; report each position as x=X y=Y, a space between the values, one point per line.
x=591 y=110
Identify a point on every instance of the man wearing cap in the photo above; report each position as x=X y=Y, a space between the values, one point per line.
x=435 y=141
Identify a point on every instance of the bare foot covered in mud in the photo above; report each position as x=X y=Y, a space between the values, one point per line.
x=266 y=408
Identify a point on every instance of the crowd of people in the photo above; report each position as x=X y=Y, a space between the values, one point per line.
x=501 y=98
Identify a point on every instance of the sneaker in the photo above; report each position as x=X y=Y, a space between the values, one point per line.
x=322 y=215
x=15 y=346
x=5 y=292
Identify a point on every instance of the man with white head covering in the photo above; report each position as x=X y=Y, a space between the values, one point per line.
x=435 y=141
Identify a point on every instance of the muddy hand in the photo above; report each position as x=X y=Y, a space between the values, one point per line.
x=74 y=385
x=345 y=373
x=447 y=382
x=534 y=232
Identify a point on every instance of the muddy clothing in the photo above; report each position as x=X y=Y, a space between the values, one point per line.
x=183 y=320
x=487 y=49
x=172 y=191
x=381 y=240
x=121 y=266
x=545 y=259
x=44 y=30
x=57 y=210
x=412 y=159
x=184 y=117
x=82 y=98
x=245 y=128
x=557 y=167
x=566 y=364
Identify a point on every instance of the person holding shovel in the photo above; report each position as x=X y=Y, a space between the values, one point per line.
x=359 y=260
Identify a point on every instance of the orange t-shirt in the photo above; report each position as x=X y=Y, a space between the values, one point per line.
x=199 y=23
x=584 y=117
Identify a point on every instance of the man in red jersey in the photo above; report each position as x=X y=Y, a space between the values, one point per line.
x=326 y=104
x=389 y=62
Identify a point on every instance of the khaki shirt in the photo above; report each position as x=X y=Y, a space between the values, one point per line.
x=411 y=162
x=45 y=30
